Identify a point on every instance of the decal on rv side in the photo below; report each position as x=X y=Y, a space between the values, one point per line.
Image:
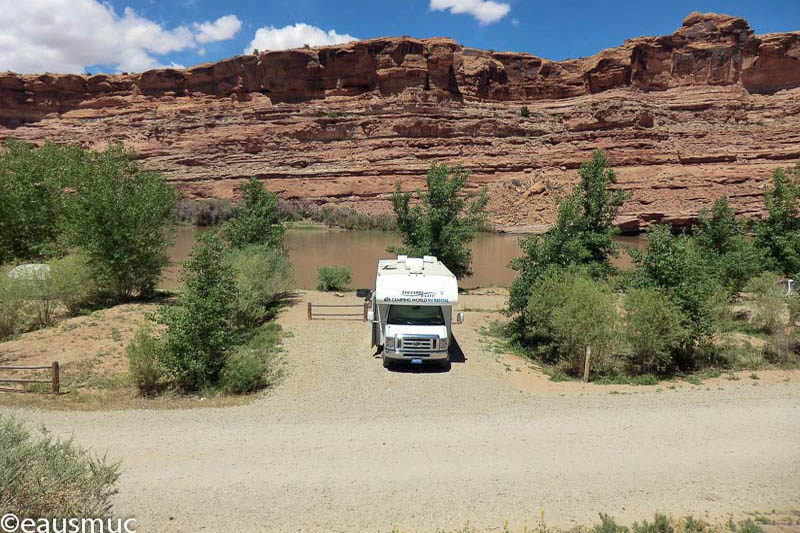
x=415 y=300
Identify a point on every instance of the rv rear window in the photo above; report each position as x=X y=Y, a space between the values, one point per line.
x=415 y=315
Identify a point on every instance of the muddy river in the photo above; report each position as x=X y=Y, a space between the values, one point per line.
x=360 y=250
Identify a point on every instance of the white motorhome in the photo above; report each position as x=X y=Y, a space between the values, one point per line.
x=412 y=310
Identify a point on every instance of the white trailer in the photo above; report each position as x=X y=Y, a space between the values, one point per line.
x=412 y=310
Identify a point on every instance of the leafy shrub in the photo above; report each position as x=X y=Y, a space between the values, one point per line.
x=13 y=304
x=145 y=353
x=674 y=264
x=35 y=286
x=252 y=366
x=730 y=252
x=767 y=301
x=119 y=216
x=778 y=234
x=568 y=311
x=263 y=275
x=583 y=233
x=72 y=283
x=256 y=219
x=45 y=477
x=661 y=524
x=608 y=525
x=245 y=371
x=586 y=319
x=793 y=303
x=204 y=212
x=353 y=220
x=31 y=184
x=524 y=112
x=547 y=295
x=744 y=526
x=200 y=325
x=337 y=217
x=652 y=328
x=333 y=278
x=442 y=222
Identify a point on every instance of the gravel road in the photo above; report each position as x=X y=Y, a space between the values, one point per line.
x=343 y=444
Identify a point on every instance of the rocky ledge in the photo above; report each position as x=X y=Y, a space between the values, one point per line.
x=711 y=109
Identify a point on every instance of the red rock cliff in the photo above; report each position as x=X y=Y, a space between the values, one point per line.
x=708 y=110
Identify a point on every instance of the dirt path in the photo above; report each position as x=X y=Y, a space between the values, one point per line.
x=344 y=445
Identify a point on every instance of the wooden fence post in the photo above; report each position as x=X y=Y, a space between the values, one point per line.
x=56 y=378
x=309 y=310
x=586 y=363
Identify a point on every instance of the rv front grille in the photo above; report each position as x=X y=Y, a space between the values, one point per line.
x=417 y=344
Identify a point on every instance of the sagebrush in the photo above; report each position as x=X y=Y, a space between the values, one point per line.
x=42 y=476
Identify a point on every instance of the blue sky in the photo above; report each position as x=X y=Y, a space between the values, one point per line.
x=156 y=33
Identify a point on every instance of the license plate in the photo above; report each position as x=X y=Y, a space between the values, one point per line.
x=416 y=361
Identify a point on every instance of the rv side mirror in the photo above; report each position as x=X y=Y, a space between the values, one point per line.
x=460 y=317
x=363 y=293
x=370 y=316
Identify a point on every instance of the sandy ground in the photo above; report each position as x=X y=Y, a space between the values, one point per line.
x=344 y=445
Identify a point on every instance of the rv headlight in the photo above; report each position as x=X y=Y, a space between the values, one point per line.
x=389 y=343
x=443 y=343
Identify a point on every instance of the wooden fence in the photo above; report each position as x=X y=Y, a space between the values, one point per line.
x=314 y=315
x=54 y=381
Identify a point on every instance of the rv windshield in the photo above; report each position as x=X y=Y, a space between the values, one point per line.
x=415 y=315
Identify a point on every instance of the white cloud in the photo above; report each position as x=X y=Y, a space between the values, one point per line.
x=69 y=35
x=295 y=36
x=485 y=11
x=220 y=30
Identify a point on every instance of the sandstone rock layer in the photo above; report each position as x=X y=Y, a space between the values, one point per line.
x=709 y=110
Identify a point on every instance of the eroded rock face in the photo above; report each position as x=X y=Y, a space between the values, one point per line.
x=708 y=110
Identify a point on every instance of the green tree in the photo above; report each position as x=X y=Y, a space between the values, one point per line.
x=583 y=233
x=723 y=240
x=256 y=220
x=653 y=329
x=443 y=221
x=263 y=275
x=120 y=216
x=675 y=264
x=200 y=325
x=778 y=234
x=587 y=318
x=568 y=310
x=31 y=198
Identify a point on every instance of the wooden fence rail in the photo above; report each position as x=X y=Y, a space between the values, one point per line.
x=54 y=381
x=312 y=315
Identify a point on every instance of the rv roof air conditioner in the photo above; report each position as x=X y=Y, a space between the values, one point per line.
x=415 y=265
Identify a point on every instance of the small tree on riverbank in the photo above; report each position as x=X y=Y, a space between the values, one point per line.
x=723 y=241
x=443 y=221
x=256 y=220
x=200 y=325
x=32 y=199
x=778 y=234
x=120 y=216
x=583 y=233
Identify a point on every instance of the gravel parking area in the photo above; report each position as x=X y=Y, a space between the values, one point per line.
x=341 y=444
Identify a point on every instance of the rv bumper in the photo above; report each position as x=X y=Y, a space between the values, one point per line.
x=436 y=355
